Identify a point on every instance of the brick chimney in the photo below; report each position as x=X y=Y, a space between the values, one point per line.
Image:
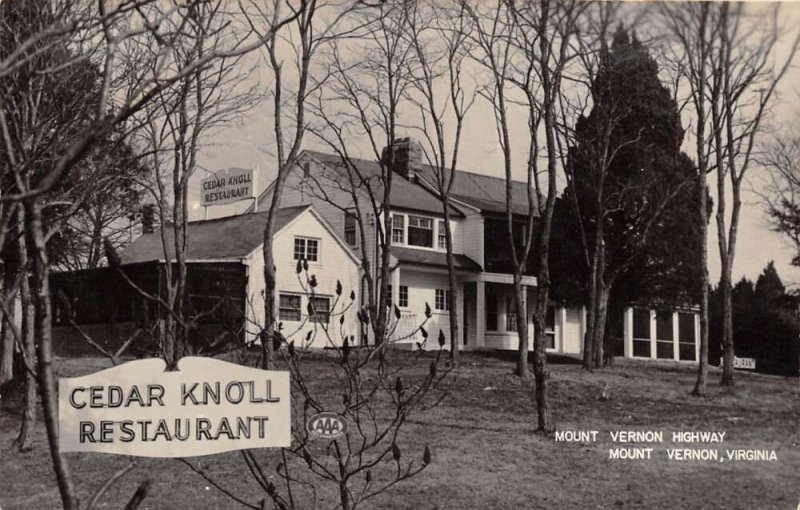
x=148 y=218
x=407 y=157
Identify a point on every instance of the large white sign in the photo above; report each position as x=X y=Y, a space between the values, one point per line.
x=208 y=406
x=227 y=186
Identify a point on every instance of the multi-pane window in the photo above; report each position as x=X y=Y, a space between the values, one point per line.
x=420 y=231
x=320 y=309
x=350 y=236
x=664 y=335
x=289 y=307
x=442 y=236
x=491 y=312
x=403 y=297
x=641 y=332
x=511 y=314
x=550 y=327
x=398 y=229
x=442 y=300
x=389 y=295
x=306 y=249
x=686 y=336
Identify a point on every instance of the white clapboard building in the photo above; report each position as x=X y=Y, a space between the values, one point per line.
x=300 y=234
x=418 y=265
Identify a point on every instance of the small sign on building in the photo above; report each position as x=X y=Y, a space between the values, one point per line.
x=227 y=186
x=744 y=363
x=207 y=406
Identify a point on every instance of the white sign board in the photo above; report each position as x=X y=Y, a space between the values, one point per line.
x=208 y=406
x=227 y=187
x=746 y=363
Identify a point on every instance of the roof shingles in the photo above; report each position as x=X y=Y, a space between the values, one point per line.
x=232 y=237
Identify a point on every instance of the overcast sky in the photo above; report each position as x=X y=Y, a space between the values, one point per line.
x=249 y=145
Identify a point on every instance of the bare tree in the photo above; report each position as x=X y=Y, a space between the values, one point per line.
x=440 y=39
x=526 y=49
x=693 y=33
x=98 y=32
x=361 y=99
x=314 y=26
x=174 y=127
x=733 y=65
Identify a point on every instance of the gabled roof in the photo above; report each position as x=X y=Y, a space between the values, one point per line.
x=484 y=192
x=232 y=237
x=432 y=258
x=404 y=195
x=481 y=191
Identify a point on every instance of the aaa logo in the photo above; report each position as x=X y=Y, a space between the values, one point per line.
x=326 y=425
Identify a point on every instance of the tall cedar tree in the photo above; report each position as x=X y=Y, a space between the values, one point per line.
x=632 y=205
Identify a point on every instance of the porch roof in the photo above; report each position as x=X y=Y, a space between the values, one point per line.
x=432 y=258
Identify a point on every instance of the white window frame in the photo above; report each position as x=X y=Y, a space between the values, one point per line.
x=282 y=308
x=402 y=229
x=402 y=301
x=306 y=240
x=511 y=317
x=312 y=317
x=436 y=229
x=353 y=230
x=445 y=300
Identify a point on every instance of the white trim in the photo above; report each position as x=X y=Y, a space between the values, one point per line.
x=503 y=278
x=324 y=224
x=241 y=260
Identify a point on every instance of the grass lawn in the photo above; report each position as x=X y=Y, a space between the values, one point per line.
x=486 y=455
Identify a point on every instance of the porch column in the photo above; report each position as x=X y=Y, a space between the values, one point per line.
x=627 y=332
x=527 y=315
x=480 y=314
x=460 y=309
x=676 y=347
x=583 y=330
x=653 y=341
x=561 y=328
x=396 y=286
x=697 y=337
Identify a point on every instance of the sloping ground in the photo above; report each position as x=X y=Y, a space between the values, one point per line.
x=485 y=454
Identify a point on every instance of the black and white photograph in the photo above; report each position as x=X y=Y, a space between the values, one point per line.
x=399 y=254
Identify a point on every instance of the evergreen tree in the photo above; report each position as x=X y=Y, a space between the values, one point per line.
x=630 y=190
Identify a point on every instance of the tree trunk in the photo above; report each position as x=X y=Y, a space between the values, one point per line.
x=702 y=368
x=540 y=373
x=25 y=438
x=522 y=327
x=727 y=328
x=451 y=273
x=7 y=346
x=600 y=323
x=42 y=330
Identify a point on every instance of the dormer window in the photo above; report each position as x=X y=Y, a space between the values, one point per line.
x=420 y=231
x=398 y=229
x=442 y=236
x=350 y=233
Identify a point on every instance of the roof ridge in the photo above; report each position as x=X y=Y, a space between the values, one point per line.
x=469 y=172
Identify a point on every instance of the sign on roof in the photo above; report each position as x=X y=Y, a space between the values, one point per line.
x=227 y=186
x=208 y=406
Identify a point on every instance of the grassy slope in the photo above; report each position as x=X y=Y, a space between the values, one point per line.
x=487 y=456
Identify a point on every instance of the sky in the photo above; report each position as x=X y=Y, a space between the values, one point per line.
x=249 y=142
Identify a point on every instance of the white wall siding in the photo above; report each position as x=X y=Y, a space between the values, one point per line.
x=472 y=237
x=422 y=289
x=571 y=332
x=334 y=264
